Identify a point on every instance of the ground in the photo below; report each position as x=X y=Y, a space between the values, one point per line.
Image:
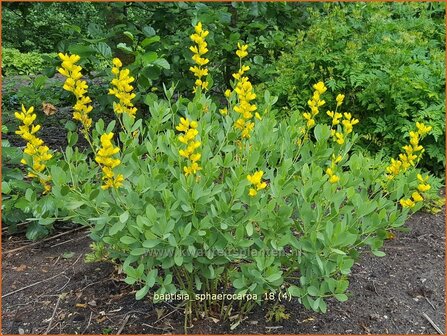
x=47 y=287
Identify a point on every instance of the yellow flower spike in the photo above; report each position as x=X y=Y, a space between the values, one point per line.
x=104 y=157
x=198 y=51
x=78 y=87
x=35 y=147
x=122 y=89
x=413 y=152
x=190 y=132
x=227 y=93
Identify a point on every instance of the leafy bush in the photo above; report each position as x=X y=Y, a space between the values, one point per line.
x=236 y=200
x=388 y=57
x=16 y=63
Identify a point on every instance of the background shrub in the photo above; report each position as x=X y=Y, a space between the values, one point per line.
x=16 y=63
x=388 y=57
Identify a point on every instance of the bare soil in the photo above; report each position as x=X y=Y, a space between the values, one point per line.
x=48 y=287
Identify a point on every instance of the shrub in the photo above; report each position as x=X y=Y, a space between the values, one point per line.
x=388 y=57
x=194 y=201
x=16 y=63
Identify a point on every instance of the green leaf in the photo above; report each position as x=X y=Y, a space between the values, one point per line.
x=150 y=243
x=138 y=251
x=149 y=40
x=124 y=217
x=341 y=297
x=249 y=229
x=312 y=290
x=378 y=253
x=141 y=293
x=149 y=58
x=151 y=278
x=124 y=47
x=6 y=189
x=161 y=62
x=127 y=240
x=104 y=49
x=118 y=226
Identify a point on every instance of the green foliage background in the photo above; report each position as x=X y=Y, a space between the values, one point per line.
x=389 y=60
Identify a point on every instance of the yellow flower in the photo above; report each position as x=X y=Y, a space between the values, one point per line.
x=339 y=138
x=340 y=99
x=228 y=93
x=242 y=50
x=252 y=192
x=334 y=179
x=256 y=181
x=223 y=111
x=256 y=177
x=422 y=129
x=407 y=203
x=320 y=87
x=416 y=197
x=423 y=187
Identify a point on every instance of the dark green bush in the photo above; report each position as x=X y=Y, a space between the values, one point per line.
x=389 y=60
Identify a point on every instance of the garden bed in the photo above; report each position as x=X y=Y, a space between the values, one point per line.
x=388 y=295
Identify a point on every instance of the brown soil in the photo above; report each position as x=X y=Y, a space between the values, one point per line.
x=387 y=295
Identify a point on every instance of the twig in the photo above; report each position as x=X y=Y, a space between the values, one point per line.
x=17 y=225
x=123 y=324
x=34 y=284
x=44 y=240
x=158 y=328
x=176 y=309
x=433 y=324
x=52 y=316
x=88 y=324
x=278 y=327
x=431 y=304
x=67 y=241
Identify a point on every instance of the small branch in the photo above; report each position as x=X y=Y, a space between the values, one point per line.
x=433 y=324
x=88 y=324
x=34 y=284
x=52 y=316
x=431 y=304
x=45 y=240
x=123 y=324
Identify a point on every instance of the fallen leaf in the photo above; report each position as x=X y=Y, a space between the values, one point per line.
x=49 y=109
x=159 y=312
x=21 y=268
